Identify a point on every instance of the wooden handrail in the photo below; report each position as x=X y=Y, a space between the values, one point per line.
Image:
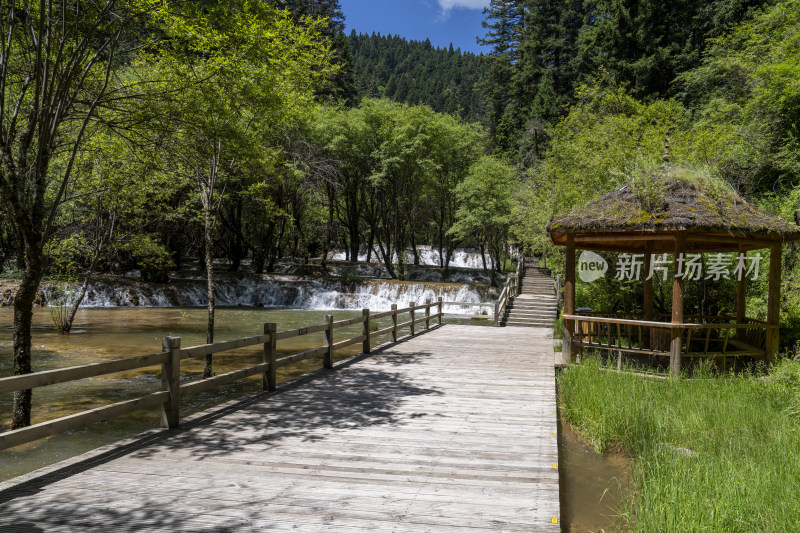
x=641 y=336
x=170 y=359
x=666 y=325
x=73 y=373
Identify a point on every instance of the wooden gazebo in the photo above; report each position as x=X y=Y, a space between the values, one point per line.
x=676 y=215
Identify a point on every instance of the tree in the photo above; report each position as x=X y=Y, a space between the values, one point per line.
x=342 y=87
x=412 y=72
x=648 y=43
x=250 y=69
x=455 y=147
x=486 y=196
x=107 y=209
x=56 y=80
x=746 y=103
x=504 y=22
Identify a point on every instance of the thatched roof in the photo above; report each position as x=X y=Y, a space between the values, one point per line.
x=713 y=217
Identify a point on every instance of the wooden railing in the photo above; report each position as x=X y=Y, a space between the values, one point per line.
x=172 y=354
x=650 y=337
x=510 y=290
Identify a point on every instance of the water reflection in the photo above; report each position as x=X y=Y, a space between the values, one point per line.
x=591 y=484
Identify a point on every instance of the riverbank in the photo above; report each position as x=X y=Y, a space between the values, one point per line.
x=714 y=453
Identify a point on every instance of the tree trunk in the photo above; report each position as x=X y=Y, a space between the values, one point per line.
x=370 y=244
x=441 y=237
x=23 y=317
x=483 y=256
x=277 y=249
x=209 y=257
x=329 y=233
x=447 y=259
x=355 y=243
x=77 y=303
x=387 y=259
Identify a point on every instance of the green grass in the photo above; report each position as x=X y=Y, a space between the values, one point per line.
x=744 y=474
x=11 y=273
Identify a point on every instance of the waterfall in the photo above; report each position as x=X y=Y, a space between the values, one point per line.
x=285 y=291
x=428 y=256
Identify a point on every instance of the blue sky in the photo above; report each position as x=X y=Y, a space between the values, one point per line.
x=441 y=21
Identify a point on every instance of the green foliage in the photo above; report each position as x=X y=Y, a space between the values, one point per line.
x=348 y=275
x=9 y=272
x=397 y=173
x=486 y=197
x=748 y=100
x=690 y=437
x=607 y=139
x=415 y=72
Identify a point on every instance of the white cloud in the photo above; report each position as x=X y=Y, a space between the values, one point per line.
x=447 y=5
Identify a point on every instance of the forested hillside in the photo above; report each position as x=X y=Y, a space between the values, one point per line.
x=539 y=53
x=720 y=78
x=414 y=72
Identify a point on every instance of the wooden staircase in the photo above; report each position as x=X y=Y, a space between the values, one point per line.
x=536 y=305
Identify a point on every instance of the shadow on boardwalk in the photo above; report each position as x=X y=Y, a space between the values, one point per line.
x=308 y=409
x=449 y=432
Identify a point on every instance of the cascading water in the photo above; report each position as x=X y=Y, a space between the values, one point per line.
x=286 y=291
x=428 y=256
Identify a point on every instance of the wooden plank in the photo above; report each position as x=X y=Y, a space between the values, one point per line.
x=73 y=373
x=171 y=382
x=613 y=347
x=420 y=320
x=291 y=359
x=349 y=322
x=269 y=381
x=327 y=360
x=68 y=423
x=222 y=379
x=606 y=320
x=383 y=331
x=288 y=334
x=349 y=342
x=224 y=346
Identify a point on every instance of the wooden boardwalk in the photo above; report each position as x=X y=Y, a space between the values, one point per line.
x=452 y=430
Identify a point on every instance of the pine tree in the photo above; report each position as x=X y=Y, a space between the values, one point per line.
x=343 y=84
x=504 y=22
x=418 y=73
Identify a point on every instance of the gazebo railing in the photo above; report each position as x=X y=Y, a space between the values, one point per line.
x=631 y=335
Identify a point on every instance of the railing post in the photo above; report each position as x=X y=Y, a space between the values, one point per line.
x=428 y=314
x=269 y=382
x=366 y=346
x=394 y=322
x=327 y=359
x=439 y=313
x=171 y=381
x=411 y=331
x=497 y=313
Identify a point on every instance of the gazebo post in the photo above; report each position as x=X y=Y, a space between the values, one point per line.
x=677 y=305
x=569 y=299
x=741 y=291
x=773 y=303
x=648 y=297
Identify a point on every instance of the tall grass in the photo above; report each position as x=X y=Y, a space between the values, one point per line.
x=714 y=453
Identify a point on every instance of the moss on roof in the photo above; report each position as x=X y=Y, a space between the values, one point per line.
x=673 y=199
